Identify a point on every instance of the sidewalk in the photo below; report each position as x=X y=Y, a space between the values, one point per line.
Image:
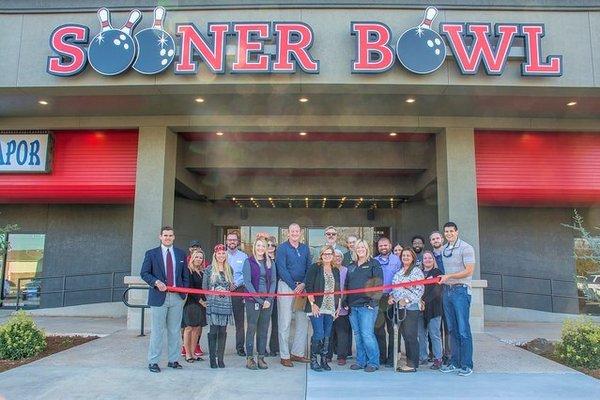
x=114 y=367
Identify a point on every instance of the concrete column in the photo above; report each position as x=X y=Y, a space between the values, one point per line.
x=457 y=184
x=457 y=198
x=154 y=200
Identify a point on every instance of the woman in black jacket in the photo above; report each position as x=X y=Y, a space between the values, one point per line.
x=322 y=277
x=431 y=316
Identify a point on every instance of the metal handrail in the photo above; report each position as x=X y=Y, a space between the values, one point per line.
x=550 y=280
x=63 y=291
x=140 y=306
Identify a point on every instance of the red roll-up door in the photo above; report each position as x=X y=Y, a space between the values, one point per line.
x=537 y=168
x=87 y=167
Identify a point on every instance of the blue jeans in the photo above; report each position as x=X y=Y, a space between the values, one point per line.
x=362 y=320
x=321 y=326
x=457 y=302
x=433 y=331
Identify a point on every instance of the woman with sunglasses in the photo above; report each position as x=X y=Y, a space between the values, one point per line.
x=219 y=311
x=194 y=313
x=322 y=277
x=408 y=300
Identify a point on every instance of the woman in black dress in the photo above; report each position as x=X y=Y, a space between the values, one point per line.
x=194 y=311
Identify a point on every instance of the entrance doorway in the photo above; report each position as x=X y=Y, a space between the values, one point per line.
x=314 y=237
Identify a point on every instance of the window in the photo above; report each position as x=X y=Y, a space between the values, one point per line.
x=23 y=264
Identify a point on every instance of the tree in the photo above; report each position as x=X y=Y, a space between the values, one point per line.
x=587 y=256
x=4 y=231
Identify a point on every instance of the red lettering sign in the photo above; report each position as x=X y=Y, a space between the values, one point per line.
x=469 y=58
x=71 y=58
x=373 y=53
x=533 y=65
x=194 y=45
x=246 y=34
x=294 y=40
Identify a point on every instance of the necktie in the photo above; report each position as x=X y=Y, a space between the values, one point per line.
x=170 y=274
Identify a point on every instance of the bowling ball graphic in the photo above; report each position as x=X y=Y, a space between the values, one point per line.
x=112 y=50
x=420 y=49
x=155 y=47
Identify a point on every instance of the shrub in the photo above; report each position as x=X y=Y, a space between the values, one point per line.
x=20 y=337
x=580 y=344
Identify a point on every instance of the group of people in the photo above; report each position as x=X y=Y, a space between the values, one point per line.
x=308 y=292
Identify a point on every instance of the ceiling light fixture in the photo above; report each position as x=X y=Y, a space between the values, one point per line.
x=220 y=133
x=393 y=134
x=199 y=100
x=43 y=102
x=303 y=134
x=303 y=99
x=571 y=103
x=410 y=100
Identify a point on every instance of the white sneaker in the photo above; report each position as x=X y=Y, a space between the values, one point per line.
x=466 y=371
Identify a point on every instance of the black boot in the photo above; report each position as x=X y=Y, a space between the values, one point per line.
x=221 y=348
x=324 y=353
x=314 y=352
x=212 y=349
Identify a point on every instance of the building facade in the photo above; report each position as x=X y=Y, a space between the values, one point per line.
x=384 y=118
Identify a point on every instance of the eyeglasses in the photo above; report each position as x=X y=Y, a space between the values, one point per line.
x=271 y=245
x=327 y=254
x=330 y=233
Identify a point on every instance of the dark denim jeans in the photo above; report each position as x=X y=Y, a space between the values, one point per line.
x=321 y=326
x=362 y=320
x=457 y=303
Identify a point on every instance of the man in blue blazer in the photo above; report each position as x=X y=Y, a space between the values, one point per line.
x=165 y=266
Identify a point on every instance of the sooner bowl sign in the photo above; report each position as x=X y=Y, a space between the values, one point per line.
x=283 y=47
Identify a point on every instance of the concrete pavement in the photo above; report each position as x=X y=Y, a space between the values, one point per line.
x=114 y=367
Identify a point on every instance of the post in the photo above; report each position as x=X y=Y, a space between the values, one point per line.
x=457 y=200
x=64 y=287
x=154 y=199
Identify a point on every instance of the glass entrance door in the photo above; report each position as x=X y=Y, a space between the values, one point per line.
x=314 y=237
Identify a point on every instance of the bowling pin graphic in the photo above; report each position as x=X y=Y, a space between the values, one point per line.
x=421 y=50
x=112 y=51
x=155 y=46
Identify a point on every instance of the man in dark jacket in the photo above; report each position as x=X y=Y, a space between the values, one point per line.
x=165 y=266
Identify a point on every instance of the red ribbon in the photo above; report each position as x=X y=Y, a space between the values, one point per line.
x=429 y=281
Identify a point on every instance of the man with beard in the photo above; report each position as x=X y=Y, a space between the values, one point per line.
x=350 y=242
x=236 y=259
x=437 y=243
x=417 y=245
x=390 y=264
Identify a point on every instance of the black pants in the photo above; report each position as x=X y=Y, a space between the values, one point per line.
x=409 y=329
x=258 y=324
x=446 y=338
x=384 y=331
x=341 y=340
x=238 y=316
x=274 y=338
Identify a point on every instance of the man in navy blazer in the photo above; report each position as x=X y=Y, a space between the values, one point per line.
x=165 y=266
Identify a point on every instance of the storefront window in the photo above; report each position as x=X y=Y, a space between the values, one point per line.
x=23 y=264
x=587 y=277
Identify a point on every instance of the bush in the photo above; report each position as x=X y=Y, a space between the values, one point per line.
x=20 y=337
x=580 y=344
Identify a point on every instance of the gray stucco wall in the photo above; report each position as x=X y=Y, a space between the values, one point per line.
x=527 y=258
x=80 y=239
